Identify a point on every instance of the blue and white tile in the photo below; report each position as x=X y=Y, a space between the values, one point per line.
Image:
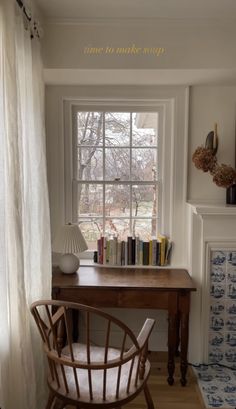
x=230 y=357
x=218 y=258
x=217 y=307
x=230 y=339
x=231 y=291
x=230 y=323
x=217 y=322
x=216 y=355
x=217 y=291
x=216 y=339
x=231 y=258
x=231 y=275
x=231 y=308
x=217 y=273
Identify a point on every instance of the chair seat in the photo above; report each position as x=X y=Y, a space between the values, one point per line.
x=88 y=376
x=97 y=355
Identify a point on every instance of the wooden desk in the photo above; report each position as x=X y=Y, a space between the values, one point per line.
x=167 y=289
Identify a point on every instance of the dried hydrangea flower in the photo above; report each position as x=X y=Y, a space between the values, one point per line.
x=204 y=159
x=224 y=175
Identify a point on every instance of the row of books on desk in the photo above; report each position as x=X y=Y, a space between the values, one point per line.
x=133 y=251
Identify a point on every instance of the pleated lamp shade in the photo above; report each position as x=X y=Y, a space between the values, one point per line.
x=69 y=239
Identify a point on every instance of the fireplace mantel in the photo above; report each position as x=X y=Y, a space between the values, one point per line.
x=213 y=209
x=209 y=226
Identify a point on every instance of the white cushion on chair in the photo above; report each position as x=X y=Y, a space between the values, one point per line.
x=97 y=355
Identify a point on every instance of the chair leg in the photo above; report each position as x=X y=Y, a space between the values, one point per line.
x=59 y=404
x=50 y=400
x=148 y=397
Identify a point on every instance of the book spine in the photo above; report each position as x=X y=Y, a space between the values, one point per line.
x=158 y=253
x=150 y=252
x=141 y=252
x=115 y=243
x=118 y=257
x=129 y=250
x=137 y=250
x=126 y=253
x=107 y=251
x=99 y=250
x=133 y=252
x=154 y=252
x=162 y=250
x=122 y=253
x=146 y=253
x=168 y=252
x=111 y=252
x=104 y=250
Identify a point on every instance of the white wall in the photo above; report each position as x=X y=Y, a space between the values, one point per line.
x=188 y=43
x=210 y=104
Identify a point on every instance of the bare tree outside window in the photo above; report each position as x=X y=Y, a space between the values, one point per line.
x=116 y=173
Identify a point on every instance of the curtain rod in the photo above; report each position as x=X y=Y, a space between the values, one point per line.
x=34 y=26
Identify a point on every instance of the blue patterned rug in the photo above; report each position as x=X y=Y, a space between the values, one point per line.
x=217 y=385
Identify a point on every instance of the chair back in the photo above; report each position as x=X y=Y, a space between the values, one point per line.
x=74 y=358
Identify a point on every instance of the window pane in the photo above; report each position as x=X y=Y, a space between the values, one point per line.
x=145 y=229
x=144 y=164
x=117 y=227
x=117 y=162
x=144 y=200
x=89 y=128
x=90 y=163
x=117 y=200
x=92 y=230
x=117 y=128
x=144 y=129
x=90 y=199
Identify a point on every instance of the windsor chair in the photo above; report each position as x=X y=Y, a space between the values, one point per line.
x=89 y=376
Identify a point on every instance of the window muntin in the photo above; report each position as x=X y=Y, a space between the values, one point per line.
x=115 y=174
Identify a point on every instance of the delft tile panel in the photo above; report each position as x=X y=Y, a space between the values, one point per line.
x=218 y=383
x=222 y=325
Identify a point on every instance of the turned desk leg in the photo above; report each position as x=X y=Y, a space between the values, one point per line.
x=172 y=332
x=177 y=334
x=184 y=305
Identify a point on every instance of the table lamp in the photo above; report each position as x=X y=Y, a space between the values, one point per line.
x=69 y=240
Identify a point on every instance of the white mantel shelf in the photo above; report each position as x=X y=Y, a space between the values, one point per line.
x=213 y=209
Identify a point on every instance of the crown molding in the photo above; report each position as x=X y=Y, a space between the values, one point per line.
x=136 y=21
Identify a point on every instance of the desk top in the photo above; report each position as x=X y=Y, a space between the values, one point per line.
x=128 y=278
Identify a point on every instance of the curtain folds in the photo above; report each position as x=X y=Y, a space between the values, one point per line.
x=25 y=245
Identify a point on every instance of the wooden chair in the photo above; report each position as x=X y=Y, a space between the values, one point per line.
x=88 y=376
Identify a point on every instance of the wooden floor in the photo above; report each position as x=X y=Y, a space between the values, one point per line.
x=165 y=396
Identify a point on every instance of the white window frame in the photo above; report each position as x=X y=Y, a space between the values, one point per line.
x=164 y=108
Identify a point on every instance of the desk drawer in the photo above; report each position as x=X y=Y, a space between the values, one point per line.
x=143 y=299
x=94 y=297
x=120 y=298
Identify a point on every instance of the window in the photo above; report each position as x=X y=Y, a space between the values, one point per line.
x=115 y=174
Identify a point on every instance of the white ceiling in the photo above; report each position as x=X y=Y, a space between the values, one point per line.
x=127 y=9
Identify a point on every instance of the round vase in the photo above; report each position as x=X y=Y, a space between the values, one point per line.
x=231 y=195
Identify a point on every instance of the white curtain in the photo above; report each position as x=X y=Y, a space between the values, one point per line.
x=25 y=253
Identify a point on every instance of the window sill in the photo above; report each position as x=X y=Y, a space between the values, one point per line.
x=88 y=263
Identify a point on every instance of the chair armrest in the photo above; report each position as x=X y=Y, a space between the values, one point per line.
x=145 y=332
